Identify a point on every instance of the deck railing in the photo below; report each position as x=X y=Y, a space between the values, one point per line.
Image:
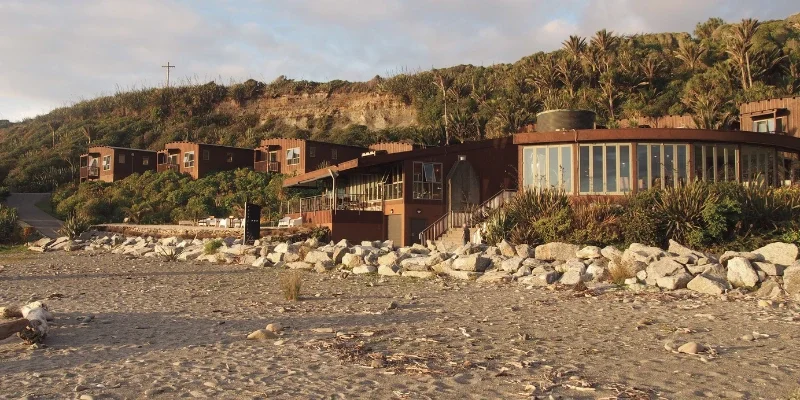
x=328 y=202
x=475 y=216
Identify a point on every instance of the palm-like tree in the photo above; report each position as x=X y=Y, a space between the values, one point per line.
x=575 y=46
x=569 y=73
x=605 y=42
x=651 y=67
x=691 y=54
x=544 y=76
x=739 y=44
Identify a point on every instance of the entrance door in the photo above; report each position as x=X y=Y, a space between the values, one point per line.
x=394 y=226
x=417 y=226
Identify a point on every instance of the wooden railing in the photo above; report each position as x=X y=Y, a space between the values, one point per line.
x=460 y=218
x=327 y=202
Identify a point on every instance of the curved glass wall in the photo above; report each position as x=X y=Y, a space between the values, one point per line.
x=547 y=167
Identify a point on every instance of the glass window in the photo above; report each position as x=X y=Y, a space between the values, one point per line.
x=547 y=167
x=642 y=161
x=145 y=160
x=669 y=165
x=106 y=163
x=334 y=154
x=681 y=165
x=206 y=155
x=611 y=169
x=715 y=163
x=655 y=165
x=121 y=158
x=188 y=159
x=312 y=151
x=273 y=156
x=229 y=157
x=608 y=168
x=584 y=164
x=293 y=156
x=427 y=181
x=624 y=168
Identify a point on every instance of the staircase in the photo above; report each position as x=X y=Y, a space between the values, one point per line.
x=450 y=227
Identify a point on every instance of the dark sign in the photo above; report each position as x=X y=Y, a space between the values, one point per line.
x=252 y=223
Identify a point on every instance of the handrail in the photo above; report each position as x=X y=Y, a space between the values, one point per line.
x=451 y=219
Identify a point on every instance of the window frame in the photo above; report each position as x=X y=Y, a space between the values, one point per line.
x=121 y=158
x=187 y=162
x=106 y=163
x=436 y=186
x=687 y=166
x=206 y=155
x=537 y=183
x=229 y=157
x=334 y=154
x=145 y=160
x=312 y=151
x=704 y=155
x=604 y=166
x=293 y=160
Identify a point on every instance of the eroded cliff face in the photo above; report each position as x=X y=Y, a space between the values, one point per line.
x=323 y=111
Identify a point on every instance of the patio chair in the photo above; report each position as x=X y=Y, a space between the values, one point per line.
x=296 y=222
x=223 y=223
x=284 y=222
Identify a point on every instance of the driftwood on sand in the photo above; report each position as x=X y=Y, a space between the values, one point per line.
x=30 y=322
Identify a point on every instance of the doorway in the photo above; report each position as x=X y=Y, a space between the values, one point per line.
x=394 y=229
x=417 y=226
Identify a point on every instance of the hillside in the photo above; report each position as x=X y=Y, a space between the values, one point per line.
x=704 y=74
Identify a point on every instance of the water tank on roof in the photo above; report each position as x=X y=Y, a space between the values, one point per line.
x=564 y=120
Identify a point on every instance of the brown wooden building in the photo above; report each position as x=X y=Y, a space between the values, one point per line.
x=200 y=159
x=111 y=164
x=779 y=116
x=298 y=156
x=395 y=147
x=397 y=196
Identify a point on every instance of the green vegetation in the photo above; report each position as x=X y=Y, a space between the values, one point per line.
x=168 y=197
x=4 y=193
x=74 y=225
x=9 y=227
x=705 y=74
x=212 y=246
x=700 y=215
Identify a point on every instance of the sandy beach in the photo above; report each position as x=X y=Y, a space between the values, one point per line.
x=144 y=328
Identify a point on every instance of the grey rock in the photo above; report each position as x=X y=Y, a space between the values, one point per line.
x=571 y=277
x=741 y=254
x=611 y=253
x=791 y=279
x=472 y=263
x=769 y=268
x=389 y=270
x=708 y=285
x=672 y=282
x=316 y=256
x=419 y=274
x=364 y=269
x=778 y=253
x=664 y=267
x=741 y=273
x=770 y=289
x=339 y=253
x=512 y=264
x=556 y=251
x=525 y=251
x=506 y=249
x=589 y=252
x=351 y=260
x=300 y=265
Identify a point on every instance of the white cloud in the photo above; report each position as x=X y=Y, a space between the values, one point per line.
x=53 y=52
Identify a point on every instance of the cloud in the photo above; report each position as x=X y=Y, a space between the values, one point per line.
x=56 y=52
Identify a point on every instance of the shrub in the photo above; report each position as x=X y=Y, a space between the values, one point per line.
x=74 y=225
x=212 y=246
x=291 y=283
x=681 y=211
x=4 y=193
x=620 y=272
x=596 y=223
x=9 y=227
x=639 y=221
x=168 y=254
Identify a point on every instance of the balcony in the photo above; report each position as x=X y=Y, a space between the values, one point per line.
x=326 y=202
x=90 y=172
x=168 y=167
x=267 y=166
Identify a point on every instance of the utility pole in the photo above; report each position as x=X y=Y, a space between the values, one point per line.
x=167 y=67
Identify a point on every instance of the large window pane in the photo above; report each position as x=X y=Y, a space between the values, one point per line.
x=730 y=163
x=611 y=168
x=681 y=164
x=624 y=168
x=566 y=168
x=655 y=165
x=552 y=167
x=642 y=161
x=584 y=166
x=541 y=167
x=597 y=169
x=527 y=167
x=669 y=165
x=708 y=155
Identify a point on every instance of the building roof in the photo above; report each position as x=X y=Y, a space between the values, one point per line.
x=388 y=158
x=312 y=141
x=206 y=144
x=119 y=148
x=785 y=142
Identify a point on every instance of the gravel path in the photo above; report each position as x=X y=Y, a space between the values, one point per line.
x=25 y=203
x=177 y=329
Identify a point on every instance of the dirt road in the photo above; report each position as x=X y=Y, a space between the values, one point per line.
x=25 y=203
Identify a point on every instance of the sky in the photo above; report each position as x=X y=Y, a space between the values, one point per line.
x=54 y=53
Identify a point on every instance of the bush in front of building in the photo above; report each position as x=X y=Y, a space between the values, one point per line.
x=701 y=215
x=9 y=227
x=4 y=193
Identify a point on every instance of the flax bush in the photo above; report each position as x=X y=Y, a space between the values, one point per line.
x=9 y=227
